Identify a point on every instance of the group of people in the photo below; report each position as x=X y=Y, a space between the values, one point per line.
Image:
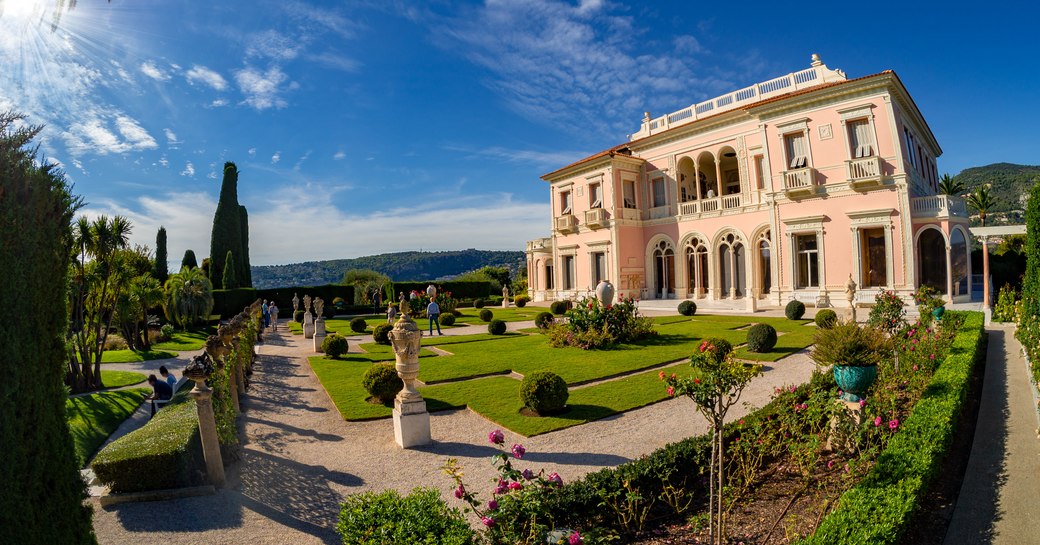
x=433 y=310
x=162 y=390
x=270 y=315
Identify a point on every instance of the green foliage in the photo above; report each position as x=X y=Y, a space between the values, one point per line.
x=687 y=308
x=381 y=382
x=486 y=315
x=761 y=338
x=381 y=333
x=496 y=277
x=188 y=298
x=592 y=325
x=229 y=280
x=162 y=267
x=826 y=318
x=298 y=316
x=950 y=186
x=521 y=301
x=141 y=294
x=1031 y=278
x=387 y=518
x=165 y=453
x=244 y=274
x=335 y=346
x=794 y=310
x=982 y=200
x=1004 y=311
x=228 y=303
x=1009 y=184
x=888 y=312
x=43 y=497
x=496 y=327
x=230 y=231
x=478 y=303
x=446 y=318
x=358 y=325
x=543 y=392
x=189 y=261
x=560 y=308
x=544 y=319
x=366 y=284
x=93 y=417
x=849 y=344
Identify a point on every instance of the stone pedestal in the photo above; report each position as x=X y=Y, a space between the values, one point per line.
x=411 y=424
x=308 y=325
x=203 y=396
x=751 y=299
x=505 y=302
x=318 y=340
x=852 y=412
x=319 y=326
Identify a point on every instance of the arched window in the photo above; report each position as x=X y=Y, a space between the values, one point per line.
x=764 y=247
x=696 y=255
x=731 y=266
x=664 y=269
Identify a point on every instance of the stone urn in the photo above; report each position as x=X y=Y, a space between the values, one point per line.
x=199 y=368
x=431 y=291
x=854 y=380
x=406 y=340
x=605 y=293
x=938 y=312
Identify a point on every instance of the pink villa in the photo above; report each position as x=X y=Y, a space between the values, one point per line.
x=775 y=192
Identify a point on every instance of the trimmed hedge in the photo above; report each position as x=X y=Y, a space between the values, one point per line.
x=381 y=333
x=794 y=310
x=478 y=303
x=486 y=315
x=358 y=325
x=382 y=382
x=389 y=518
x=335 y=346
x=544 y=319
x=460 y=289
x=826 y=318
x=521 y=301
x=543 y=392
x=560 y=308
x=446 y=319
x=165 y=453
x=880 y=508
x=227 y=303
x=761 y=338
x=496 y=327
x=687 y=308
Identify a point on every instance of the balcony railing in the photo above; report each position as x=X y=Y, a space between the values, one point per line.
x=713 y=204
x=938 y=206
x=800 y=182
x=864 y=173
x=566 y=223
x=631 y=214
x=731 y=201
x=596 y=218
x=661 y=212
x=539 y=244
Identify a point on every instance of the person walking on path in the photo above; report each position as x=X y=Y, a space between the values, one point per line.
x=391 y=313
x=434 y=312
x=273 y=313
x=265 y=313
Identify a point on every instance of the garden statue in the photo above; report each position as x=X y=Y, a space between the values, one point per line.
x=319 y=307
x=850 y=294
x=605 y=293
x=431 y=291
x=216 y=349
x=505 y=297
x=295 y=304
x=411 y=419
x=307 y=303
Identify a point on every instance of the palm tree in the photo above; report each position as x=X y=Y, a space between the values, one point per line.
x=949 y=186
x=982 y=201
x=189 y=297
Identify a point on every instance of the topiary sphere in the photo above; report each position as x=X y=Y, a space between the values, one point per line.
x=496 y=327
x=761 y=338
x=358 y=325
x=520 y=301
x=298 y=316
x=794 y=310
x=381 y=382
x=826 y=318
x=559 y=308
x=722 y=347
x=486 y=315
x=446 y=319
x=687 y=308
x=543 y=392
x=478 y=303
x=335 y=346
x=381 y=333
x=544 y=319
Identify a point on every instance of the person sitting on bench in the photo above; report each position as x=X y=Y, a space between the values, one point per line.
x=168 y=376
x=160 y=390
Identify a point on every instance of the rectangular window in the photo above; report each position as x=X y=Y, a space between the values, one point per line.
x=660 y=196
x=760 y=177
x=807 y=263
x=872 y=258
x=630 y=193
x=548 y=277
x=861 y=138
x=910 y=147
x=599 y=267
x=568 y=272
x=595 y=195
x=797 y=150
x=565 y=202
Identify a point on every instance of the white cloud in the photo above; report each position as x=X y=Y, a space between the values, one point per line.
x=300 y=161
x=201 y=74
x=154 y=71
x=339 y=155
x=171 y=138
x=338 y=62
x=251 y=152
x=95 y=134
x=271 y=44
x=218 y=103
x=538 y=159
x=315 y=19
x=189 y=170
x=164 y=161
x=262 y=88
x=276 y=157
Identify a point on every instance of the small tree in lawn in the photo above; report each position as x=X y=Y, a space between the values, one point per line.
x=162 y=267
x=715 y=386
x=230 y=279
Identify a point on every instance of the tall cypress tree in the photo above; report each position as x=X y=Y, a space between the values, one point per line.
x=227 y=224
x=42 y=501
x=189 y=260
x=229 y=281
x=245 y=275
x=162 y=268
x=1031 y=280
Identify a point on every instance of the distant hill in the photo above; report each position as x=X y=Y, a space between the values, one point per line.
x=398 y=266
x=1011 y=187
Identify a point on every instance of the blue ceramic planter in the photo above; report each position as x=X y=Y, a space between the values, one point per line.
x=854 y=380
x=937 y=312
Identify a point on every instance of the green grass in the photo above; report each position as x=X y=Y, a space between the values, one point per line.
x=185 y=341
x=473 y=375
x=93 y=417
x=342 y=325
x=130 y=356
x=119 y=379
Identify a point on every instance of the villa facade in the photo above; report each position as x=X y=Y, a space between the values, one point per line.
x=778 y=191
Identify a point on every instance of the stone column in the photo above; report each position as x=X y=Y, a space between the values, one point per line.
x=203 y=396
x=949 y=276
x=411 y=420
x=732 y=273
x=985 y=272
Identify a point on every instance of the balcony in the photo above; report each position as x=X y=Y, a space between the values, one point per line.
x=631 y=214
x=864 y=173
x=596 y=218
x=659 y=212
x=800 y=182
x=938 y=206
x=714 y=204
x=540 y=245
x=566 y=223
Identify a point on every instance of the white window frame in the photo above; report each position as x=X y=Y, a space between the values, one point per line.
x=566 y=202
x=810 y=266
x=595 y=195
x=629 y=203
x=794 y=161
x=653 y=192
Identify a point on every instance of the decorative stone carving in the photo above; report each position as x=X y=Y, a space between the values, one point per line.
x=411 y=420
x=307 y=303
x=295 y=304
x=319 y=307
x=605 y=293
x=850 y=294
x=431 y=291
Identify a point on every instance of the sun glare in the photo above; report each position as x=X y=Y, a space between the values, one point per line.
x=22 y=9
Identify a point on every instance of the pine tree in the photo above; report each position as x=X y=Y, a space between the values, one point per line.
x=42 y=502
x=227 y=224
x=189 y=260
x=162 y=268
x=229 y=281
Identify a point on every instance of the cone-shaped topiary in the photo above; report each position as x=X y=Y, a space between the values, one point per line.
x=496 y=327
x=794 y=310
x=230 y=231
x=189 y=260
x=761 y=338
x=335 y=346
x=230 y=279
x=162 y=267
x=543 y=392
x=381 y=382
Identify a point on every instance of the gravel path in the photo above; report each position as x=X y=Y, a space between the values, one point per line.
x=300 y=457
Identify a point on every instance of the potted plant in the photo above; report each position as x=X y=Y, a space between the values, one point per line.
x=929 y=303
x=854 y=353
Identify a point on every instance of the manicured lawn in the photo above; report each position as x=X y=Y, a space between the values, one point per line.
x=92 y=418
x=118 y=379
x=473 y=375
x=129 y=356
x=185 y=341
x=342 y=325
x=511 y=314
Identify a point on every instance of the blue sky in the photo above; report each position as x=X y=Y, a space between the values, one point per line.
x=373 y=126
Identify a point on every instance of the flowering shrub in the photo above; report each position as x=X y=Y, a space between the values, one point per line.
x=1005 y=311
x=417 y=306
x=927 y=299
x=517 y=512
x=593 y=325
x=849 y=344
x=888 y=312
